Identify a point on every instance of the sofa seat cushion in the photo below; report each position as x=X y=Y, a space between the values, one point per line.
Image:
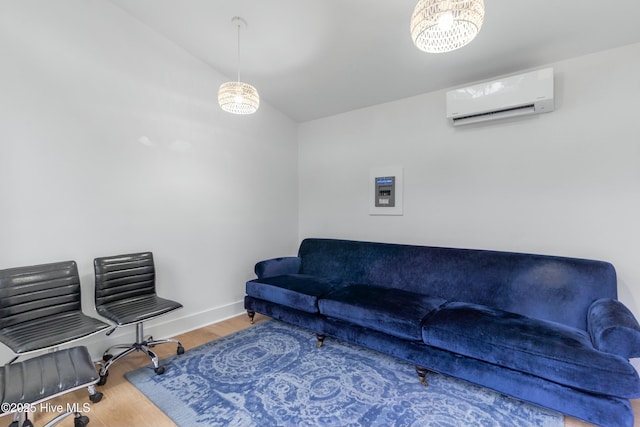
x=298 y=291
x=546 y=349
x=392 y=311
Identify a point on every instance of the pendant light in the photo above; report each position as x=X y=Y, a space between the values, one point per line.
x=238 y=97
x=445 y=25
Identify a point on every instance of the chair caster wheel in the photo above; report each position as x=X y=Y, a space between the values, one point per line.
x=103 y=379
x=180 y=349
x=159 y=370
x=107 y=357
x=80 y=421
x=96 y=397
x=27 y=423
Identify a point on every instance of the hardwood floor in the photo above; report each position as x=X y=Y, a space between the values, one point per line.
x=124 y=406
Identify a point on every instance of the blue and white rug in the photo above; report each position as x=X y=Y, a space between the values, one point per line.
x=272 y=374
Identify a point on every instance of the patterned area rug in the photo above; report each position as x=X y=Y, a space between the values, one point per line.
x=272 y=374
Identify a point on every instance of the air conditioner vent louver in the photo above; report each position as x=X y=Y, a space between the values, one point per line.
x=524 y=94
x=494 y=115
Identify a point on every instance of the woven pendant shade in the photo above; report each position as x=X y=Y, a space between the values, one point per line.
x=445 y=25
x=238 y=98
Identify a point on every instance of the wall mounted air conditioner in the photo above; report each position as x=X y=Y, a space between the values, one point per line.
x=523 y=94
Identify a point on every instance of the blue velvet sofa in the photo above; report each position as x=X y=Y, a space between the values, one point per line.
x=547 y=330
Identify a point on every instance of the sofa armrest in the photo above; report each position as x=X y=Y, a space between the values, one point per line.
x=613 y=328
x=277 y=267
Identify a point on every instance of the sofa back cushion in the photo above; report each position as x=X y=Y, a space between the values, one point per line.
x=550 y=288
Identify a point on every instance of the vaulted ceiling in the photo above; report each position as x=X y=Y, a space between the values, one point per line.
x=315 y=58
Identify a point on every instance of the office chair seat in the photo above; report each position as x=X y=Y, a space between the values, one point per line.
x=49 y=332
x=137 y=309
x=23 y=385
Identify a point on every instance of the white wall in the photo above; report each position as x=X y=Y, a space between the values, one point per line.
x=111 y=141
x=565 y=183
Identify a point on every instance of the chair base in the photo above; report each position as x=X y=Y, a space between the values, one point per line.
x=21 y=420
x=141 y=344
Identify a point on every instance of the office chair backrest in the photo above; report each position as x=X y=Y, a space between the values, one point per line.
x=34 y=292
x=124 y=276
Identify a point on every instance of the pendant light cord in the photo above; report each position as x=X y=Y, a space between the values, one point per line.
x=238 y=51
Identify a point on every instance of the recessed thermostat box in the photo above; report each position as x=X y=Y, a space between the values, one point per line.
x=385 y=191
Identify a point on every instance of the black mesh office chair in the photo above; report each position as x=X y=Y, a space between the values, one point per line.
x=40 y=309
x=126 y=294
x=24 y=386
